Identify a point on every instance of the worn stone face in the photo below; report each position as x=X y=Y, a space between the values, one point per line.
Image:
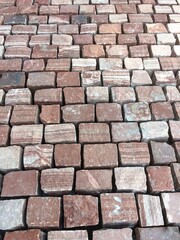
x=88 y=181
x=154 y=131
x=12 y=214
x=70 y=235
x=80 y=211
x=135 y=112
x=11 y=80
x=118 y=209
x=10 y=158
x=38 y=156
x=162 y=111
x=125 y=132
x=162 y=153
x=174 y=126
x=26 y=134
x=114 y=234
x=176 y=175
x=100 y=155
x=43 y=212
x=18 y=97
x=130 y=179
x=160 y=178
x=56 y=181
x=94 y=132
x=60 y=133
x=150 y=93
x=159 y=233
x=150 y=211
x=134 y=153
x=116 y=78
x=34 y=234
x=20 y=183
x=50 y=114
x=171 y=203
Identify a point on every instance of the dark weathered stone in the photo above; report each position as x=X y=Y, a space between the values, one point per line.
x=11 y=80
x=15 y=19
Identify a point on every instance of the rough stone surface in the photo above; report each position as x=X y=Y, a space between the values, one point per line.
x=150 y=211
x=114 y=234
x=60 y=133
x=56 y=181
x=10 y=158
x=171 y=205
x=43 y=212
x=70 y=235
x=35 y=234
x=20 y=183
x=26 y=134
x=12 y=214
x=93 y=181
x=80 y=211
x=118 y=209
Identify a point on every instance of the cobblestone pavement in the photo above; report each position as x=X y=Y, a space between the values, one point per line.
x=89 y=119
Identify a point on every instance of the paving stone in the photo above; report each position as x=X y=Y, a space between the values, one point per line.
x=39 y=40
x=12 y=79
x=83 y=64
x=177 y=150
x=169 y=63
x=157 y=233
x=5 y=113
x=114 y=234
x=151 y=64
x=94 y=132
x=160 y=178
x=69 y=51
x=24 y=114
x=176 y=108
x=33 y=65
x=43 y=212
x=116 y=78
x=78 y=113
x=88 y=181
x=133 y=63
x=38 y=156
x=150 y=211
x=110 y=28
x=4 y=135
x=80 y=211
x=174 y=126
x=44 y=51
x=139 y=51
x=38 y=80
x=118 y=209
x=18 y=96
x=10 y=158
x=171 y=205
x=110 y=63
x=172 y=93
x=100 y=155
x=2 y=95
x=140 y=77
x=50 y=114
x=69 y=235
x=67 y=155
x=134 y=153
x=175 y=167
x=164 y=78
x=162 y=111
x=58 y=64
x=116 y=51
x=150 y=94
x=20 y=183
x=93 y=51
x=125 y=132
x=26 y=134
x=12 y=214
x=107 y=112
x=125 y=179
x=60 y=133
x=154 y=131
x=90 y=78
x=68 y=79
x=97 y=94
x=135 y=112
x=57 y=181
x=35 y=234
x=74 y=95
x=48 y=96
x=123 y=95
x=162 y=153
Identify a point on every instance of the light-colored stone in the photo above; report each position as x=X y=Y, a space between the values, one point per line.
x=60 y=133
x=68 y=235
x=10 y=158
x=12 y=214
x=113 y=234
x=18 y=96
